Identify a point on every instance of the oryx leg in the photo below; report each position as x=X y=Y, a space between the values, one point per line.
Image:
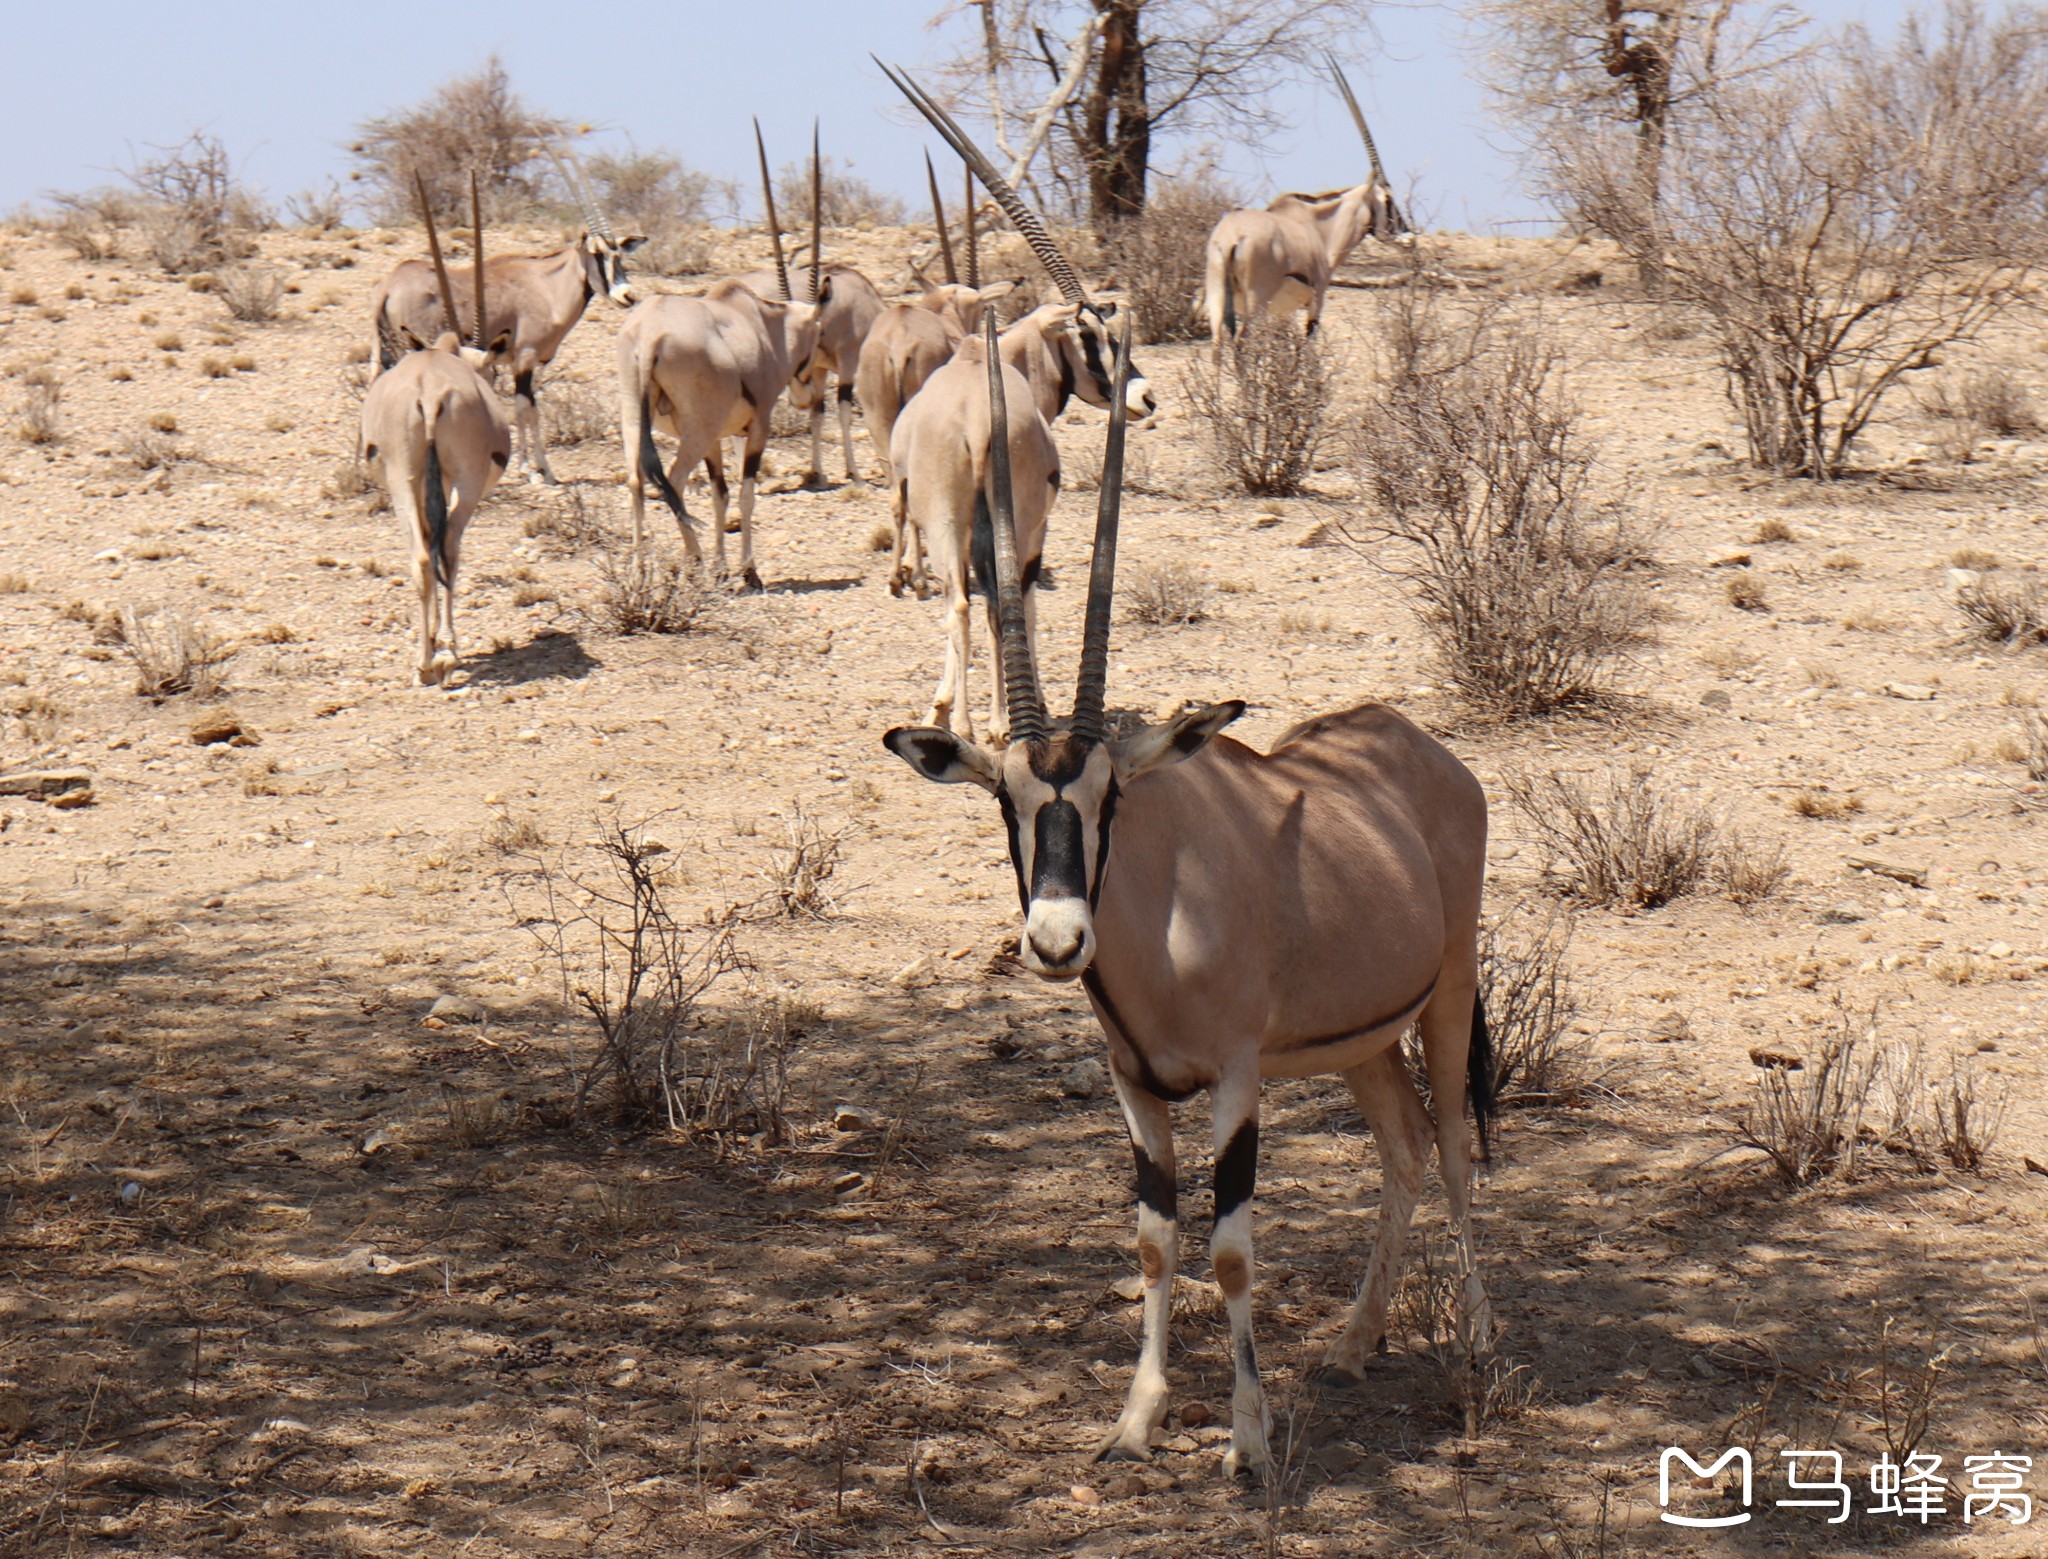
x=447 y=654
x=1400 y=1130
x=899 y=500
x=526 y=421
x=1446 y=1028
x=949 y=703
x=714 y=469
x=406 y=499
x=750 y=473
x=815 y=477
x=846 y=428
x=1235 y=1105
x=1151 y=1128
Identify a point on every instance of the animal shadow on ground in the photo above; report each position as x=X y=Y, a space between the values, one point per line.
x=550 y=655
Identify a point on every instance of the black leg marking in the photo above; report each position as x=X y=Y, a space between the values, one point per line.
x=845 y=393
x=522 y=387
x=751 y=468
x=1156 y=1189
x=1247 y=1356
x=1237 y=1170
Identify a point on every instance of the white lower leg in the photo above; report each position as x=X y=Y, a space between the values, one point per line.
x=1151 y=1129
x=1230 y=1250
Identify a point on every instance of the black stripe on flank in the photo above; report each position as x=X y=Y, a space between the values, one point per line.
x=1401 y=1015
x=1156 y=1188
x=1147 y=1078
x=1237 y=1170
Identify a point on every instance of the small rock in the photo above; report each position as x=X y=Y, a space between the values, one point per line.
x=847 y=1184
x=222 y=726
x=1129 y=1289
x=1670 y=1029
x=1129 y=1486
x=1841 y=915
x=1912 y=691
x=916 y=972
x=459 y=1009
x=1728 y=557
x=1502 y=852
x=130 y=1193
x=72 y=799
x=380 y=1138
x=493 y=799
x=1081 y=1494
x=1998 y=950
x=1717 y=698
x=1193 y=1415
x=849 y=1117
x=66 y=977
x=1087 y=1078
x=45 y=783
x=214 y=902
x=1963 y=578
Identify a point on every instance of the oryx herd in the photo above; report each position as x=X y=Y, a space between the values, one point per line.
x=1232 y=916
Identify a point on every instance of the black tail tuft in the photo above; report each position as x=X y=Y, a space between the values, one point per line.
x=1479 y=1078
x=1229 y=295
x=981 y=551
x=650 y=465
x=437 y=517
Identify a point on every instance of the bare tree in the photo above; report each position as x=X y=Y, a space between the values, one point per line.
x=1843 y=219
x=1147 y=69
x=475 y=121
x=1632 y=67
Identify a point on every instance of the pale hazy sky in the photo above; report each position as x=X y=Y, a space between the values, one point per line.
x=283 y=86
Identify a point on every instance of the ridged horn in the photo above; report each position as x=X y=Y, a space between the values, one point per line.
x=434 y=248
x=476 y=225
x=774 y=226
x=1092 y=684
x=939 y=216
x=817 y=212
x=972 y=253
x=1379 y=174
x=1026 y=704
x=1025 y=219
x=593 y=219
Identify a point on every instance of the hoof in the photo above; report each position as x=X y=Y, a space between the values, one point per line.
x=752 y=580
x=1329 y=1377
x=1252 y=1466
x=1117 y=1449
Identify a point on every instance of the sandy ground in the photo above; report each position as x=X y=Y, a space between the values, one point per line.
x=288 y=1266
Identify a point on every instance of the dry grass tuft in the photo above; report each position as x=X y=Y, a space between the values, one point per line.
x=40 y=420
x=152 y=448
x=1771 y=532
x=173 y=654
x=655 y=593
x=1168 y=594
x=1531 y=1009
x=510 y=833
x=1829 y=806
x=579 y=412
x=1745 y=592
x=1974 y=558
x=2006 y=611
x=1975 y=404
x=803 y=858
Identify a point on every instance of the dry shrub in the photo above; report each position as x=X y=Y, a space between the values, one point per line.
x=637 y=972
x=1159 y=257
x=1745 y=592
x=1530 y=1009
x=803 y=858
x=2009 y=611
x=848 y=198
x=173 y=654
x=471 y=122
x=1169 y=594
x=1480 y=476
x=151 y=448
x=650 y=593
x=579 y=412
x=1841 y=218
x=1430 y=1304
x=1975 y=404
x=14 y=584
x=252 y=292
x=564 y=521
x=508 y=833
x=657 y=192
x=41 y=716
x=86 y=233
x=731 y=1076
x=1627 y=843
x=1771 y=532
x=195 y=211
x=1264 y=405
x=2033 y=747
x=40 y=420
x=1829 y=806
x=677 y=251
x=1966 y=1126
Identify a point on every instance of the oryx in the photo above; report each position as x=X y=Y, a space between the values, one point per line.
x=536 y=301
x=940 y=450
x=843 y=324
x=432 y=429
x=1248 y=915
x=1278 y=260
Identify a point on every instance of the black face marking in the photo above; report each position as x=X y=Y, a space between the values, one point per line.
x=1102 y=842
x=1156 y=1188
x=1091 y=348
x=1066 y=381
x=1237 y=1170
x=1058 y=864
x=1016 y=848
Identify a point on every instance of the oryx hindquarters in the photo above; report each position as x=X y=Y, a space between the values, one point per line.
x=1251 y=916
x=847 y=318
x=432 y=429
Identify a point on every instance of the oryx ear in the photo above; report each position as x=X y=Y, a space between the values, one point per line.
x=942 y=757
x=1001 y=289
x=824 y=289
x=1162 y=746
x=629 y=244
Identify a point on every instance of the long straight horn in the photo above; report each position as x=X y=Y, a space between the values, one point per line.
x=1381 y=189
x=972 y=251
x=1025 y=219
x=1021 y=694
x=593 y=219
x=774 y=226
x=476 y=225
x=434 y=248
x=939 y=216
x=817 y=211
x=1091 y=686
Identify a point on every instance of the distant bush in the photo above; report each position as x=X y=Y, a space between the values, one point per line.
x=1159 y=257
x=1264 y=405
x=848 y=198
x=471 y=122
